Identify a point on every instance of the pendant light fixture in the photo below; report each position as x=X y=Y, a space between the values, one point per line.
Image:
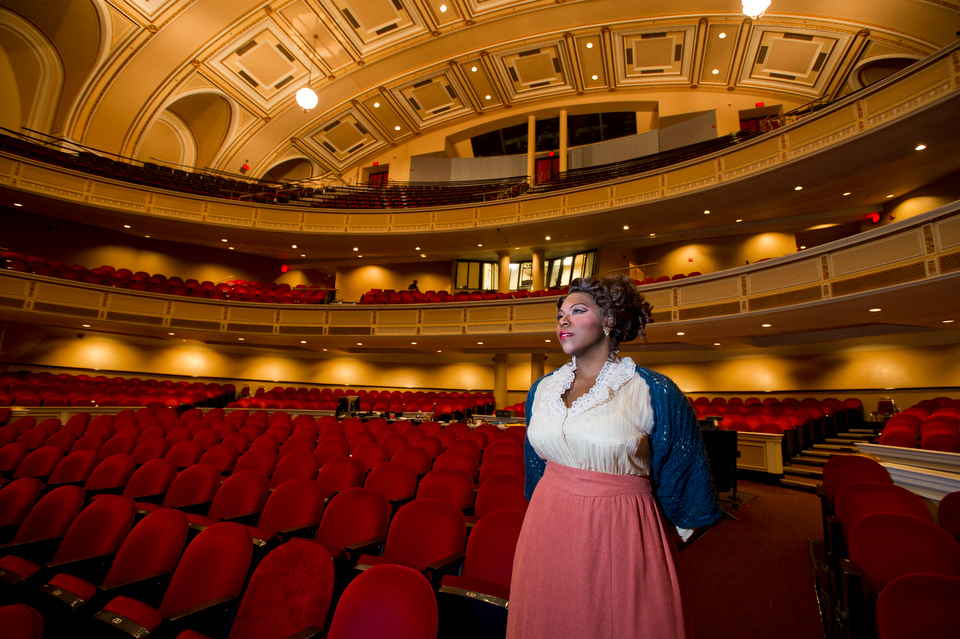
x=755 y=8
x=307 y=97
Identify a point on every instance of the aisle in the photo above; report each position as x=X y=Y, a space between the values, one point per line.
x=753 y=578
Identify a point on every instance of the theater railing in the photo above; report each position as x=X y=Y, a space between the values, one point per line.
x=916 y=251
x=915 y=88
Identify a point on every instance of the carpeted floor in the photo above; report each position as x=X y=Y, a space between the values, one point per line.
x=753 y=578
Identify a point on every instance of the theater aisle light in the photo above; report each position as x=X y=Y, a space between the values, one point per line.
x=307 y=97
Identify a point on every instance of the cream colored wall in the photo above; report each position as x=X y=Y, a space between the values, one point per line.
x=352 y=283
x=715 y=254
x=92 y=247
x=871 y=368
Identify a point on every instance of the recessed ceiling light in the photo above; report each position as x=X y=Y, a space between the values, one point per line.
x=240 y=339
x=355 y=248
x=890 y=196
x=920 y=147
x=359 y=256
x=85 y=325
x=376 y=105
x=715 y=71
x=413 y=343
x=303 y=255
x=798 y=188
x=303 y=341
x=707 y=212
x=126 y=226
x=547 y=341
x=171 y=333
x=147 y=236
x=439 y=351
x=423 y=255
x=548 y=238
x=594 y=76
x=680 y=333
x=716 y=343
x=948 y=321
x=473 y=69
x=443 y=8
x=224 y=240
x=722 y=35
x=396 y=128
x=17 y=204
x=626 y=228
x=359 y=343
x=802 y=247
x=653 y=235
x=875 y=310
x=740 y=220
x=324 y=350
x=846 y=194
x=766 y=325
x=487 y=97
x=480 y=245
x=293 y=246
x=230 y=247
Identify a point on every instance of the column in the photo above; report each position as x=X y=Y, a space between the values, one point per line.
x=537 y=278
x=563 y=140
x=531 y=147
x=503 y=274
x=536 y=366
x=500 y=379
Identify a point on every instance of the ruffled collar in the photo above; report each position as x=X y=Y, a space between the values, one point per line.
x=612 y=377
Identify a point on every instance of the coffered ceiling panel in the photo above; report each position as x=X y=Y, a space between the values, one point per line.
x=344 y=137
x=386 y=116
x=800 y=59
x=593 y=67
x=654 y=55
x=481 y=83
x=330 y=52
x=535 y=71
x=370 y=24
x=264 y=65
x=433 y=100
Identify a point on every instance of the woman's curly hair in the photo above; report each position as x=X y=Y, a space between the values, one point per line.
x=618 y=298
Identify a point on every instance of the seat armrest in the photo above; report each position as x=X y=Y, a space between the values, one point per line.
x=446 y=566
x=309 y=633
x=209 y=618
x=92 y=569
x=851 y=583
x=149 y=589
x=151 y=499
x=354 y=551
x=303 y=532
x=195 y=509
x=249 y=519
x=38 y=551
x=836 y=548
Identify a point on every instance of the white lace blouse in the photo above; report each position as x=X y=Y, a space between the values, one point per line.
x=605 y=430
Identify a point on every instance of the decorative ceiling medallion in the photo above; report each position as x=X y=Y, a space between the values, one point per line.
x=343 y=138
x=264 y=65
x=535 y=71
x=799 y=60
x=371 y=24
x=649 y=56
x=433 y=99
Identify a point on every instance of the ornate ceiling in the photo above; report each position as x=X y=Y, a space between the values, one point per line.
x=211 y=83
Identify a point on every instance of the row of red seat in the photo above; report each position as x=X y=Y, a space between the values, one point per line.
x=932 y=424
x=49 y=389
x=246 y=491
x=236 y=290
x=881 y=542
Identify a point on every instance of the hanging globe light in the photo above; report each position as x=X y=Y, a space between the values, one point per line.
x=307 y=97
x=755 y=8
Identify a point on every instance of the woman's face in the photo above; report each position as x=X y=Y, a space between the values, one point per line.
x=580 y=327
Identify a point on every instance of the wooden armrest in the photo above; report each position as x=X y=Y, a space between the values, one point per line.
x=445 y=566
x=354 y=551
x=195 y=509
x=250 y=519
x=209 y=618
x=312 y=631
x=303 y=532
x=38 y=551
x=149 y=589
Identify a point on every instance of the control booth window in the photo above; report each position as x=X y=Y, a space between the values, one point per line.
x=477 y=276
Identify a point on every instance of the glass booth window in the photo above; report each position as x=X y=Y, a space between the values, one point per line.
x=477 y=276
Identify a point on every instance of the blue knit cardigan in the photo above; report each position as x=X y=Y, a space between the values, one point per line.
x=680 y=470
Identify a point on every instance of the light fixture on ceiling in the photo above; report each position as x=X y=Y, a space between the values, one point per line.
x=307 y=97
x=755 y=8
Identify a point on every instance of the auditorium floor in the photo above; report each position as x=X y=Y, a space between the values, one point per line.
x=757 y=576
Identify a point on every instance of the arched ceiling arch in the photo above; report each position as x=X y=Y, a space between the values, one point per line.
x=391 y=74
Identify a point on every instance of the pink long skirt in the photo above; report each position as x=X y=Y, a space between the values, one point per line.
x=596 y=559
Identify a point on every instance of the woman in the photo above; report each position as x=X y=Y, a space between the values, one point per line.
x=615 y=455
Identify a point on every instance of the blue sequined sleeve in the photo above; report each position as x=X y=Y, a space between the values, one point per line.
x=680 y=468
x=533 y=462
